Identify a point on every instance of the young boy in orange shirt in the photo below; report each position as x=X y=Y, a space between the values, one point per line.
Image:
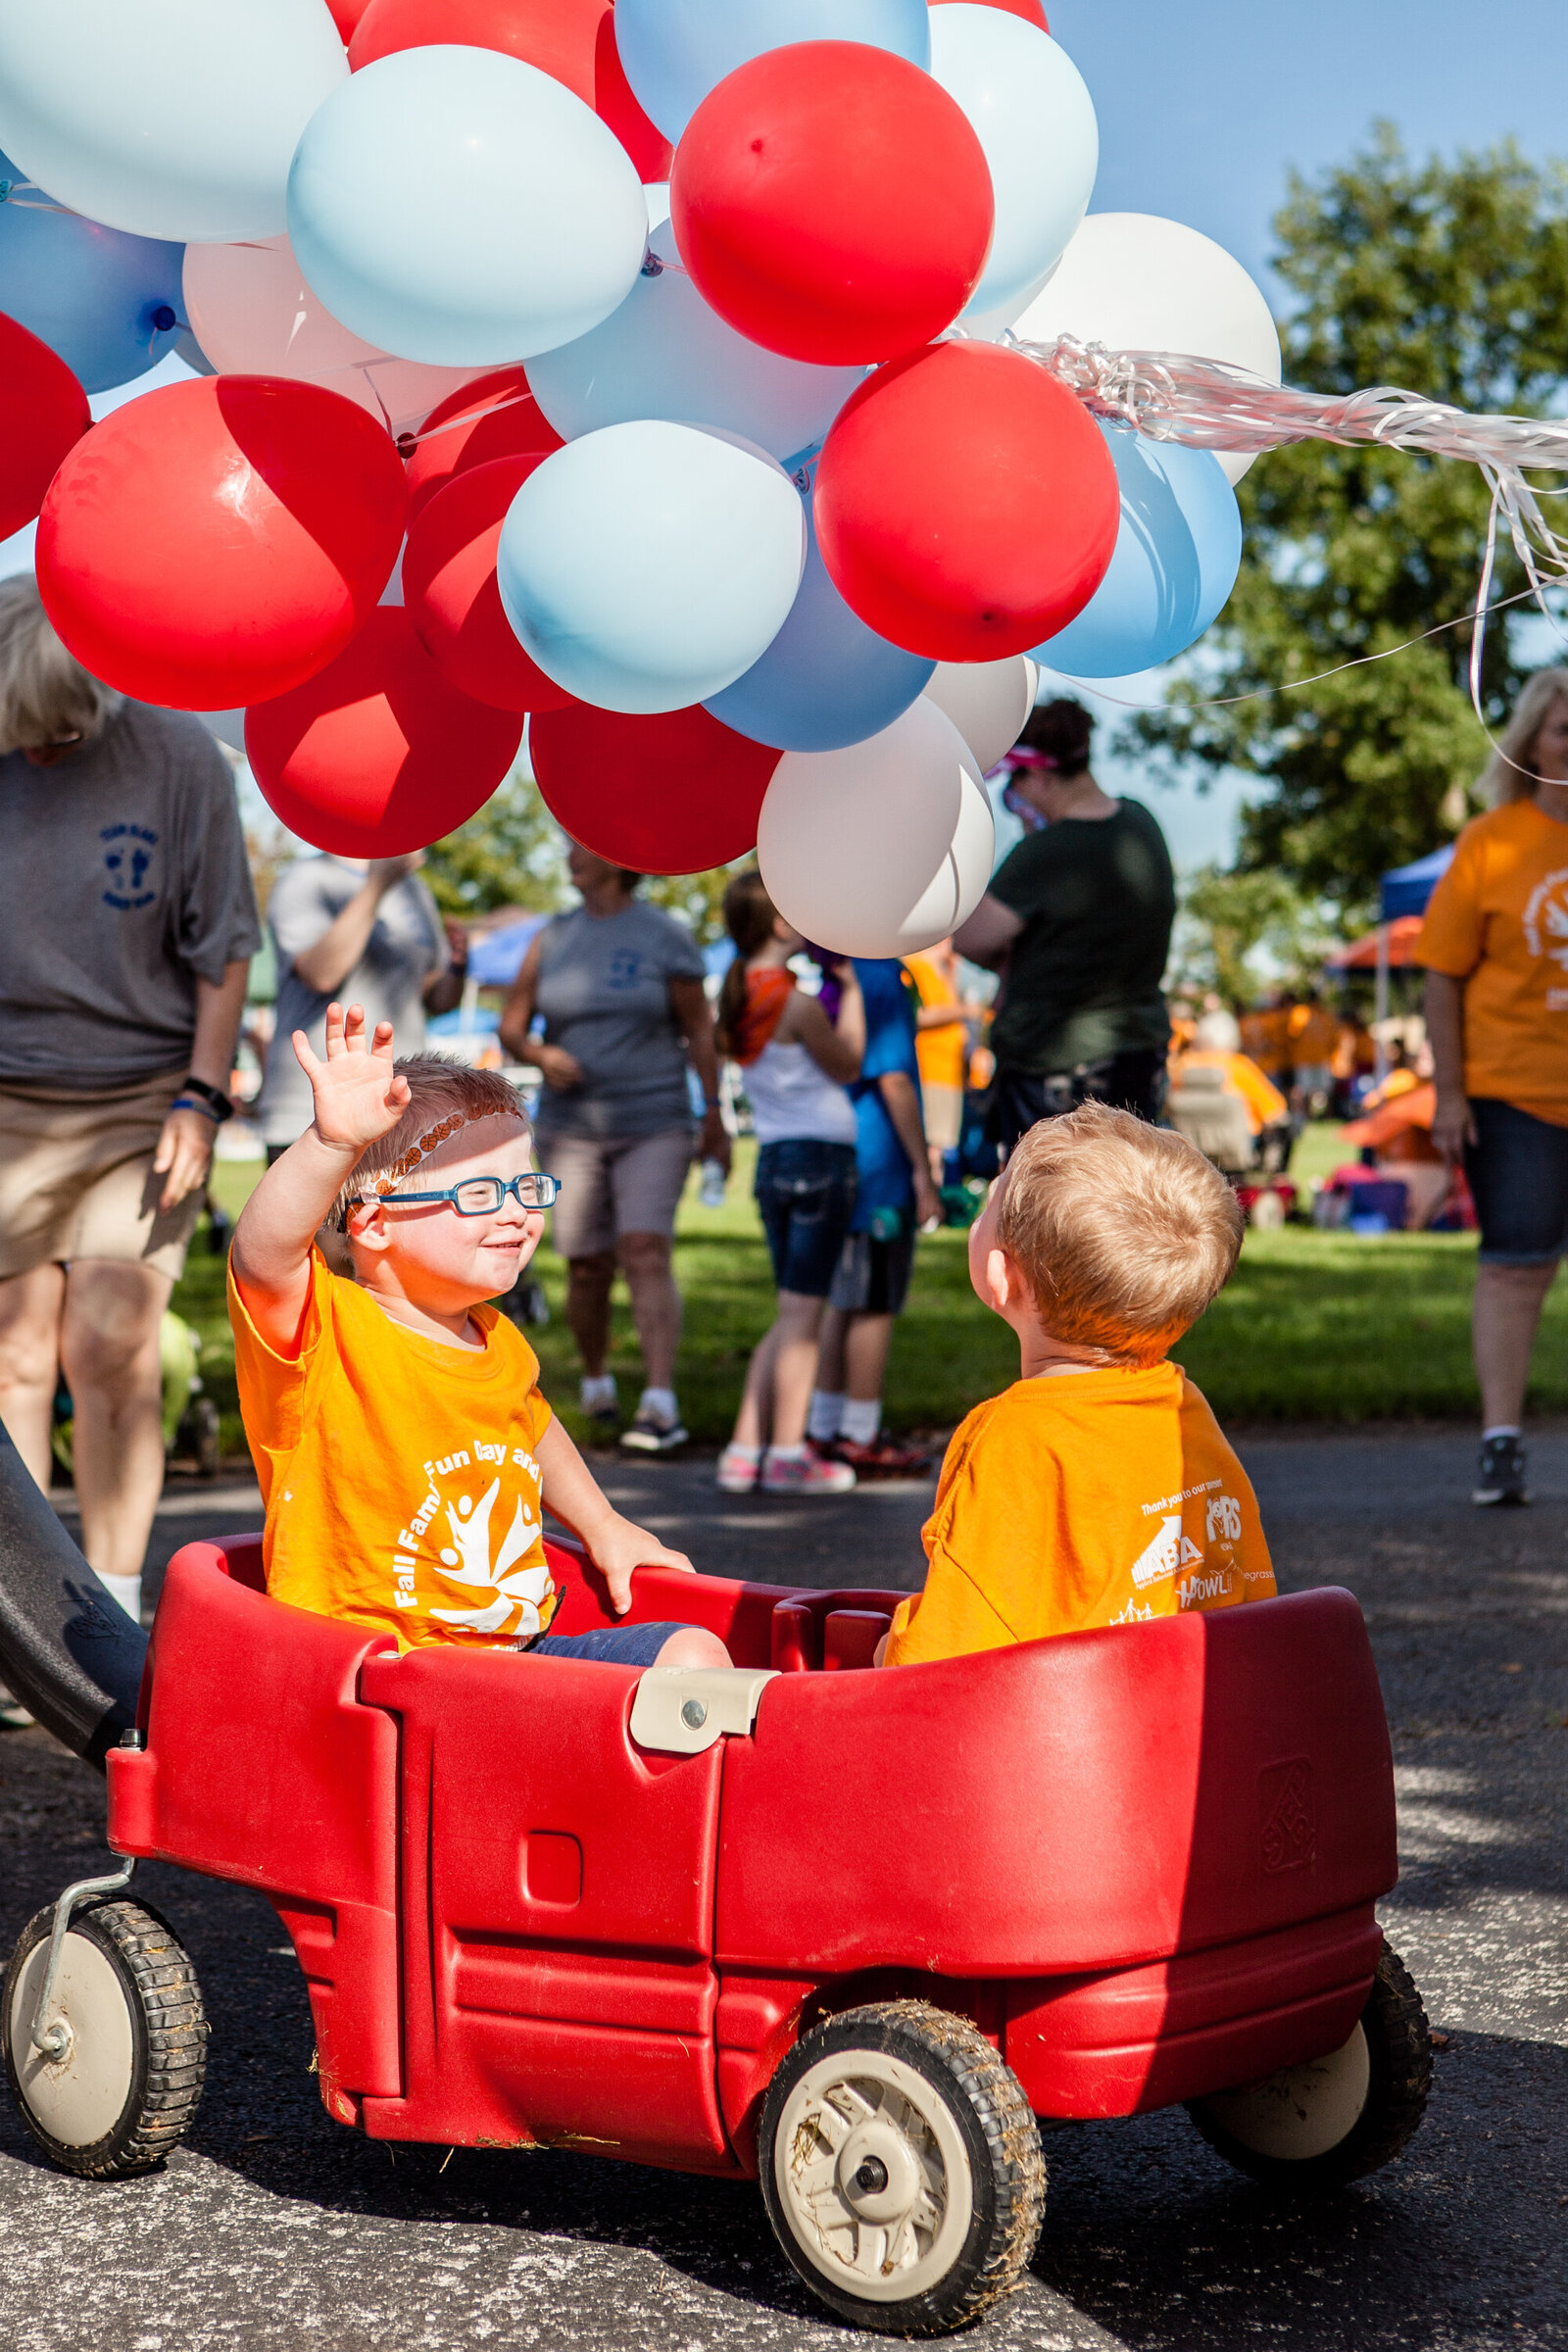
x=405 y=1454
x=1097 y=1490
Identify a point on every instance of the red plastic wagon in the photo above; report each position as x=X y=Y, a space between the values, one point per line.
x=858 y=1936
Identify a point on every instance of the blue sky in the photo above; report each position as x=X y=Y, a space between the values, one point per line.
x=1204 y=110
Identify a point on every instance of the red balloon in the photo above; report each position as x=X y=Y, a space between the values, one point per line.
x=966 y=504
x=344 y=15
x=1030 y=10
x=677 y=793
x=832 y=203
x=44 y=416
x=571 y=40
x=217 y=542
x=452 y=597
x=378 y=754
x=494 y=416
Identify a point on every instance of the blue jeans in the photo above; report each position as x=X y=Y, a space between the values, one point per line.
x=806 y=1198
x=613 y=1644
x=1518 y=1175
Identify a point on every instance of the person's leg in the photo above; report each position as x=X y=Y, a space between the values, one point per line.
x=793 y=1366
x=694 y=1646
x=589 y=1281
x=753 y=1419
x=108 y=1353
x=870 y=1336
x=645 y=1260
x=31 y=1306
x=1505 y=1320
x=827 y=1398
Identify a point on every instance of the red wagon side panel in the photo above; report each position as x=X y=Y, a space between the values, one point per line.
x=262 y=1767
x=1086 y=1803
x=558 y=1913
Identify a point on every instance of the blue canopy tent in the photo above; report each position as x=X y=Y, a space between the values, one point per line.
x=1405 y=888
x=1404 y=891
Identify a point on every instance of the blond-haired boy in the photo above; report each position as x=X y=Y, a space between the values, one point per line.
x=1099 y=1489
x=405 y=1453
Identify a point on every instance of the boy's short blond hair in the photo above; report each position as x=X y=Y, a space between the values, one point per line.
x=1124 y=1231
x=444 y=1097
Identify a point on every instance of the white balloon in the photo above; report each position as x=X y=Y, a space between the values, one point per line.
x=987 y=702
x=881 y=849
x=1032 y=113
x=174 y=118
x=666 y=353
x=461 y=207
x=649 y=565
x=1135 y=283
x=253 y=315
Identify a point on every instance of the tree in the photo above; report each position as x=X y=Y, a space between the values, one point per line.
x=1447 y=279
x=513 y=854
x=1236 y=932
x=510 y=854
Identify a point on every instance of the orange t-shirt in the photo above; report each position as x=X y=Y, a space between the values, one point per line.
x=1265 y=1037
x=1498 y=921
x=1084 y=1500
x=942 y=1053
x=1313 y=1035
x=398 y=1474
x=1265 y=1105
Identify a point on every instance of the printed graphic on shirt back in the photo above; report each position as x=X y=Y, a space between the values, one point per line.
x=128 y=856
x=1202 y=1572
x=1546 y=919
x=462 y=1538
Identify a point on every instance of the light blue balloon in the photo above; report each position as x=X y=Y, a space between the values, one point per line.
x=168 y=118
x=646 y=566
x=108 y=305
x=826 y=680
x=460 y=207
x=675 y=51
x=1177 y=555
x=1032 y=113
x=666 y=353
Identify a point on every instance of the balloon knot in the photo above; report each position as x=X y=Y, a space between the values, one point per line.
x=164 y=319
x=6 y=186
x=652 y=267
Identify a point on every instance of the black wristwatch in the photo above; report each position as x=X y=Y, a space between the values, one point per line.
x=214 y=1102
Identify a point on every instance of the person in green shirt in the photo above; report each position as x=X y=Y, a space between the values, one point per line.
x=1078 y=920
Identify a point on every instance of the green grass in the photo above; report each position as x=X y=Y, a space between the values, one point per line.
x=1314 y=1327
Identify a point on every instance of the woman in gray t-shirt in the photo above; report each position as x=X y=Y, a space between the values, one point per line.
x=620 y=989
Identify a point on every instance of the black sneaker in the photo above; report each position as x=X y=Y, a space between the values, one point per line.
x=1501 y=1477
x=649 y=1434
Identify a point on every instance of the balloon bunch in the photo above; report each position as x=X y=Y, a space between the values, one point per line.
x=647 y=366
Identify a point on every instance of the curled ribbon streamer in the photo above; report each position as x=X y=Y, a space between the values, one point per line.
x=1207 y=403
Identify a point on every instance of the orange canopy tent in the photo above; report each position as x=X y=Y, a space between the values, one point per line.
x=1361 y=955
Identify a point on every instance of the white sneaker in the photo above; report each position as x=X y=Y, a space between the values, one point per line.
x=738 y=1471
x=805 y=1474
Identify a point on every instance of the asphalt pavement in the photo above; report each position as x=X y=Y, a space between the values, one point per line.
x=275 y=2229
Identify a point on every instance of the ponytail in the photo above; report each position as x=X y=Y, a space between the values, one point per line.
x=749 y=917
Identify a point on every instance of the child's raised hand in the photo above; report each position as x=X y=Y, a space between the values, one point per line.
x=359 y=1095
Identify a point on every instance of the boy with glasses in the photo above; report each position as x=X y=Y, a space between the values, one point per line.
x=405 y=1453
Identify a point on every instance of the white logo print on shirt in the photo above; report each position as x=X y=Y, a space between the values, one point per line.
x=1548 y=911
x=467 y=1561
x=1167 y=1551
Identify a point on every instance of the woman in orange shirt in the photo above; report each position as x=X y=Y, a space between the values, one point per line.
x=1496 y=950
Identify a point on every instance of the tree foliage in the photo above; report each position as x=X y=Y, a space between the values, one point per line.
x=1236 y=932
x=513 y=854
x=1449 y=280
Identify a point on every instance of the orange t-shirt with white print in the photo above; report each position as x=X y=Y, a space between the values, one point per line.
x=1082 y=1499
x=398 y=1474
x=1498 y=921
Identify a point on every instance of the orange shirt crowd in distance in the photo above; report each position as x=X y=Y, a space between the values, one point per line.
x=1498 y=921
x=1087 y=1500
x=1265 y=1105
x=944 y=1053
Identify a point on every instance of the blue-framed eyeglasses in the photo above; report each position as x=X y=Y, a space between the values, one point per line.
x=482 y=1195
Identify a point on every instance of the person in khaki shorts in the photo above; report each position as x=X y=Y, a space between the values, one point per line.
x=126 y=927
x=620 y=989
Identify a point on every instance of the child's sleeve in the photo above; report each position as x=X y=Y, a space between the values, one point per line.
x=273 y=1388
x=955 y=1614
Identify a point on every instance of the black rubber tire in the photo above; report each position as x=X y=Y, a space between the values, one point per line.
x=168 y=2037
x=1399 y=2077
x=986 y=2102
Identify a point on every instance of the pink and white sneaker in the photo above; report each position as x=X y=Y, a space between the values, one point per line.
x=739 y=1470
x=805 y=1474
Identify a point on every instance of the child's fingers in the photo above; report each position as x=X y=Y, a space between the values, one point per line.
x=398 y=1095
x=334 y=1031
x=381 y=1043
x=305 y=1055
x=353 y=1029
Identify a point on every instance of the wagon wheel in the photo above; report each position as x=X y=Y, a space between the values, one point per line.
x=902 y=2168
x=120 y=2090
x=1310 y=2129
